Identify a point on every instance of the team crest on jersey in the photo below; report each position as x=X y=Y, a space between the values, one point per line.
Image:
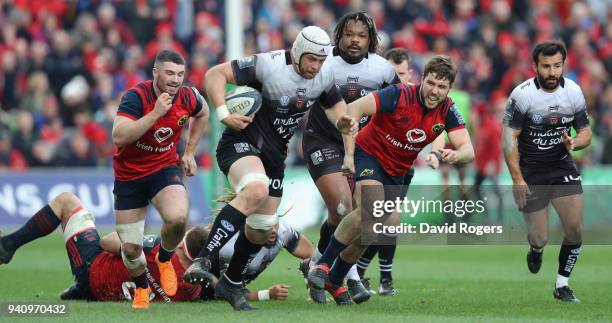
x=367 y=172
x=416 y=135
x=536 y=118
x=437 y=128
x=554 y=118
x=163 y=133
x=182 y=120
x=351 y=87
x=300 y=97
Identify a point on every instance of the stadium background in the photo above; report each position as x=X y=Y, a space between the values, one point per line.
x=65 y=65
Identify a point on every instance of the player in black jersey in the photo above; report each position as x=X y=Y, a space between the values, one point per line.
x=537 y=149
x=252 y=150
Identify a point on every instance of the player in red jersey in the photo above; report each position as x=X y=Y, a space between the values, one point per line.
x=96 y=263
x=406 y=118
x=146 y=131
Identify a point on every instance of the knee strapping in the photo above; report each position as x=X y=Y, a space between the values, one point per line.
x=250 y=178
x=79 y=221
x=262 y=221
x=132 y=264
x=131 y=232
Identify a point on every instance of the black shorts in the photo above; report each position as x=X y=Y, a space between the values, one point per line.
x=234 y=146
x=138 y=193
x=322 y=156
x=368 y=167
x=551 y=182
x=82 y=249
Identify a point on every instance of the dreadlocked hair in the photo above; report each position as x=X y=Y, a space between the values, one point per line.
x=366 y=20
x=227 y=196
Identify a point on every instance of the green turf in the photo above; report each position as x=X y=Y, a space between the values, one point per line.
x=435 y=283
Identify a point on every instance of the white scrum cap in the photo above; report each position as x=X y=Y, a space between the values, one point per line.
x=311 y=40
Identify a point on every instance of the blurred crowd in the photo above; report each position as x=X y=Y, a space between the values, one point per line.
x=65 y=64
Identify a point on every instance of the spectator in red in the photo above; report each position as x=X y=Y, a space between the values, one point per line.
x=10 y=158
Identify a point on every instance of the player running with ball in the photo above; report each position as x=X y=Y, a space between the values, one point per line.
x=252 y=150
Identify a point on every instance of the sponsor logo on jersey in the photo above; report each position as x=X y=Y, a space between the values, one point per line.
x=310 y=102
x=536 y=118
x=367 y=172
x=553 y=108
x=182 y=120
x=567 y=119
x=228 y=226
x=284 y=100
x=163 y=133
x=416 y=135
x=438 y=128
x=352 y=79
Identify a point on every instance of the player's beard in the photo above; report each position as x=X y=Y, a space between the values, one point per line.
x=165 y=87
x=545 y=82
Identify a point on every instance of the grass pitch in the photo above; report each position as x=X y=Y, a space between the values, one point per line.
x=435 y=284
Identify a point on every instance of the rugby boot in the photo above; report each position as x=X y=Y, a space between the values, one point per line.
x=339 y=293
x=199 y=272
x=317 y=276
x=72 y=293
x=167 y=276
x=565 y=294
x=5 y=255
x=235 y=295
x=534 y=261
x=141 y=298
x=386 y=287
x=358 y=292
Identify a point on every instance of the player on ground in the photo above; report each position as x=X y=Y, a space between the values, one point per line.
x=357 y=70
x=146 y=131
x=537 y=149
x=408 y=118
x=399 y=58
x=252 y=150
x=281 y=237
x=96 y=264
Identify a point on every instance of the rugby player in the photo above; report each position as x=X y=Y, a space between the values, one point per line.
x=147 y=167
x=96 y=264
x=252 y=150
x=537 y=145
x=406 y=119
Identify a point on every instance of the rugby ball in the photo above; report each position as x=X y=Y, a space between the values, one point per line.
x=243 y=100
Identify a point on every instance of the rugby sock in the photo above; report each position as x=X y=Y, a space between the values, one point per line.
x=568 y=255
x=226 y=224
x=386 y=253
x=325 y=234
x=244 y=252
x=141 y=280
x=365 y=259
x=339 y=271
x=313 y=260
x=352 y=273
x=331 y=252
x=41 y=224
x=164 y=255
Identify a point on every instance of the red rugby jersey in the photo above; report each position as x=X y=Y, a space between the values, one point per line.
x=403 y=126
x=156 y=149
x=109 y=280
